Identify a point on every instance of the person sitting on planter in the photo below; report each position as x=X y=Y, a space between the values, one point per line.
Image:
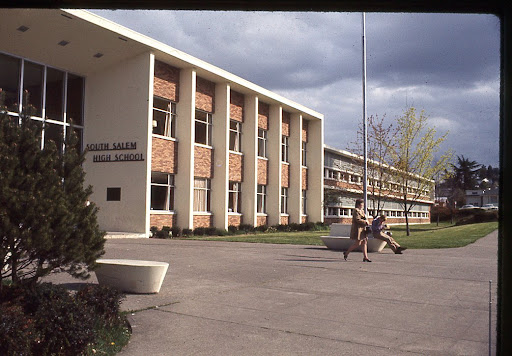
x=378 y=227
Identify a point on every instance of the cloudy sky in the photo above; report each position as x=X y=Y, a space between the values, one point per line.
x=445 y=64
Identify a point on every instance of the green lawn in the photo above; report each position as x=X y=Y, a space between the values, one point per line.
x=445 y=235
x=425 y=236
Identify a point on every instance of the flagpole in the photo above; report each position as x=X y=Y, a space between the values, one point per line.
x=365 y=128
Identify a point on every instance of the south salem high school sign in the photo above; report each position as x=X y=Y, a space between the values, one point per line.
x=114 y=157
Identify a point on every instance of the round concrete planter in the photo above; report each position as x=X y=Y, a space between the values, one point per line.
x=339 y=239
x=131 y=276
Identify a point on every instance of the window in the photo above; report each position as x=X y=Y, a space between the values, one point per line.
x=55 y=102
x=284 y=200
x=74 y=99
x=304 y=202
x=164 y=117
x=262 y=143
x=235 y=195
x=304 y=153
x=53 y=97
x=235 y=136
x=33 y=76
x=354 y=178
x=162 y=191
x=203 y=129
x=202 y=194
x=262 y=199
x=10 y=81
x=284 y=148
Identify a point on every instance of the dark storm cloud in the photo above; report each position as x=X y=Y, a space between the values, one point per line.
x=446 y=64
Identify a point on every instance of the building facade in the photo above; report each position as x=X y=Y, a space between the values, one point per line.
x=171 y=140
x=482 y=197
x=343 y=181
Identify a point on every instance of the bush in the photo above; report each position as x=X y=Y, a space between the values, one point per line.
x=103 y=301
x=476 y=216
x=233 y=229
x=246 y=228
x=176 y=232
x=16 y=331
x=445 y=213
x=186 y=232
x=261 y=228
x=46 y=319
x=221 y=232
x=200 y=231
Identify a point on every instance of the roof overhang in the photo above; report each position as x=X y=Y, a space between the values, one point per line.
x=88 y=35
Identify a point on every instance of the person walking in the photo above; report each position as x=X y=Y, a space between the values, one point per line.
x=358 y=231
x=378 y=227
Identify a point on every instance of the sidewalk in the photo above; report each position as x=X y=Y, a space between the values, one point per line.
x=222 y=298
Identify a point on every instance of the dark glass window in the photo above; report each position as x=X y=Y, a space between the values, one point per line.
x=113 y=194
x=9 y=81
x=75 y=95
x=33 y=89
x=54 y=94
x=54 y=133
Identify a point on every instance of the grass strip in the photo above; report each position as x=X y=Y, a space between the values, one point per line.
x=424 y=236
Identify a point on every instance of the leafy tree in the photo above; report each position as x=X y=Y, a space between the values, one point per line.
x=413 y=150
x=378 y=172
x=46 y=221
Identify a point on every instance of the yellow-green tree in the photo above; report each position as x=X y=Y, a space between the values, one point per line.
x=414 y=154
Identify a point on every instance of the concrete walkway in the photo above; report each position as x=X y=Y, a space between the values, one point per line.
x=222 y=298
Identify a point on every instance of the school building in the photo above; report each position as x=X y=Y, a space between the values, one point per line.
x=171 y=139
x=343 y=181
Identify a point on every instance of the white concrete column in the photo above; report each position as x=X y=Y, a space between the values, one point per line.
x=315 y=194
x=295 y=154
x=150 y=140
x=184 y=181
x=250 y=148
x=275 y=129
x=220 y=138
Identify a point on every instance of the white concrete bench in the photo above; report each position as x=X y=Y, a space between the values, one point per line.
x=339 y=239
x=131 y=276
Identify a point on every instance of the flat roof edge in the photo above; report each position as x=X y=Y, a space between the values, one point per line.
x=193 y=61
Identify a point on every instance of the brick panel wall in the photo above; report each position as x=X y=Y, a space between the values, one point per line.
x=160 y=220
x=163 y=155
x=203 y=157
x=236 y=107
x=305 y=131
x=304 y=178
x=285 y=174
x=286 y=124
x=304 y=219
x=202 y=221
x=261 y=220
x=234 y=220
x=263 y=113
x=166 y=81
x=236 y=170
x=284 y=220
x=205 y=95
x=262 y=171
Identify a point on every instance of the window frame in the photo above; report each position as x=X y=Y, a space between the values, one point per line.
x=208 y=127
x=204 y=206
x=261 y=199
x=284 y=200
x=262 y=142
x=235 y=146
x=170 y=117
x=64 y=101
x=170 y=193
x=235 y=190
x=285 y=148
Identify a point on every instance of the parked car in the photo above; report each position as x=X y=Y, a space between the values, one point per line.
x=489 y=207
x=468 y=207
